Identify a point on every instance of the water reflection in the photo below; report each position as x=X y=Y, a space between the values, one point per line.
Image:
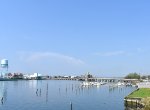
x=131 y=108
x=45 y=95
x=35 y=84
x=118 y=88
x=3 y=92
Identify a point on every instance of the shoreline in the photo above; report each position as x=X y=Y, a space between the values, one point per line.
x=138 y=99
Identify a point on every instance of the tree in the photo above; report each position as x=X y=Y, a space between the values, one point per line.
x=143 y=77
x=148 y=76
x=132 y=76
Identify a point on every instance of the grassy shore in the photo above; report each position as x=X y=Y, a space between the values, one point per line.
x=142 y=96
x=140 y=93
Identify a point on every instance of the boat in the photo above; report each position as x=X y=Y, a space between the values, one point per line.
x=86 y=83
x=96 y=83
x=91 y=83
x=128 y=84
x=120 y=84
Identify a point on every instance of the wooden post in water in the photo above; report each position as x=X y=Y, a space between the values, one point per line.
x=70 y=105
x=2 y=100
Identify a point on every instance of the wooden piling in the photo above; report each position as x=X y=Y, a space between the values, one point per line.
x=2 y=99
x=70 y=105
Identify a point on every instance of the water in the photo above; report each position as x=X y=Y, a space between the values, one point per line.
x=57 y=95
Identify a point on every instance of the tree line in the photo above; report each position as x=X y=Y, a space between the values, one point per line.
x=136 y=76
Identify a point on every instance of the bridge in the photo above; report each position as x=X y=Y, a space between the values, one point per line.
x=112 y=79
x=101 y=79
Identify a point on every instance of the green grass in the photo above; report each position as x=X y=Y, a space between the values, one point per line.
x=140 y=93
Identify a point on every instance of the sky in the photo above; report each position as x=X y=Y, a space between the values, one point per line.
x=73 y=37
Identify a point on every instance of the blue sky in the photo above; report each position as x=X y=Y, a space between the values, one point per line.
x=73 y=37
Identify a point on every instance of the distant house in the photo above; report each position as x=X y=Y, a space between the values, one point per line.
x=33 y=76
x=25 y=76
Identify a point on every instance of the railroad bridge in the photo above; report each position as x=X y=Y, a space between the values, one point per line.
x=111 y=79
x=101 y=79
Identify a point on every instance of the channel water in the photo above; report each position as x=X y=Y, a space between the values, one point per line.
x=58 y=95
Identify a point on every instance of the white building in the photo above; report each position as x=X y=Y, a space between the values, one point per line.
x=32 y=76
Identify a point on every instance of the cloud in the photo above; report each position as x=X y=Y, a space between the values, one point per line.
x=108 y=54
x=140 y=50
x=49 y=63
x=32 y=57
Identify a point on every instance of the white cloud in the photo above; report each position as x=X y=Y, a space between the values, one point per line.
x=140 y=50
x=32 y=57
x=108 y=54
